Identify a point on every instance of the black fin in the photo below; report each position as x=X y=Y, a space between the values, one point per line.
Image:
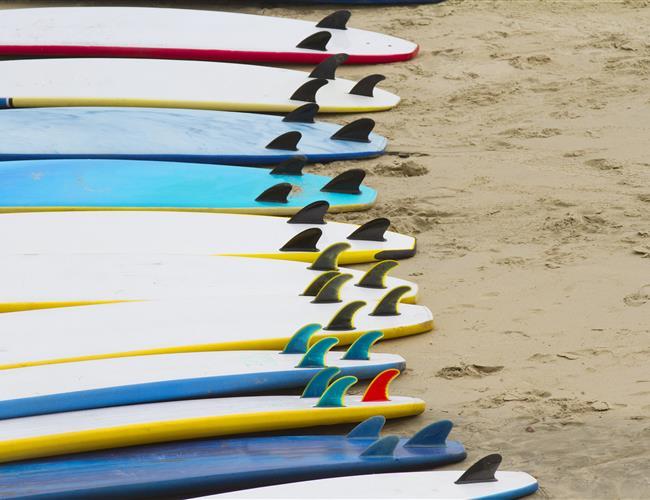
x=366 y=85
x=292 y=166
x=318 y=283
x=304 y=241
x=329 y=258
x=276 y=194
x=342 y=320
x=314 y=213
x=286 y=142
x=387 y=306
x=373 y=230
x=375 y=277
x=356 y=131
x=482 y=471
x=317 y=41
x=336 y=20
x=347 y=182
x=327 y=68
x=331 y=291
x=307 y=91
x=302 y=114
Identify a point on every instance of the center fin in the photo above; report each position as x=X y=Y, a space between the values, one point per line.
x=356 y=131
x=336 y=20
x=291 y=166
x=317 y=41
x=375 y=277
x=342 y=320
x=307 y=91
x=319 y=382
x=378 y=388
x=315 y=356
x=329 y=258
x=334 y=394
x=369 y=428
x=318 y=283
x=314 y=213
x=360 y=349
x=327 y=68
x=286 y=142
x=384 y=447
x=482 y=471
x=331 y=291
x=299 y=341
x=387 y=305
x=302 y=114
x=347 y=182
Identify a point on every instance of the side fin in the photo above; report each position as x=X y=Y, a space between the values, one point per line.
x=302 y=114
x=375 y=277
x=342 y=320
x=336 y=20
x=292 y=166
x=319 y=382
x=387 y=306
x=276 y=194
x=378 y=388
x=318 y=283
x=356 y=131
x=314 y=213
x=482 y=471
x=434 y=434
x=366 y=85
x=384 y=447
x=315 y=356
x=307 y=91
x=347 y=182
x=360 y=349
x=331 y=291
x=369 y=428
x=304 y=241
x=327 y=68
x=334 y=394
x=317 y=41
x=373 y=230
x=300 y=340
x=286 y=142
x=329 y=258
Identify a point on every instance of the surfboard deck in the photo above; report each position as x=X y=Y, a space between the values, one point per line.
x=187 y=84
x=59 y=185
x=187 y=135
x=190 y=34
x=158 y=233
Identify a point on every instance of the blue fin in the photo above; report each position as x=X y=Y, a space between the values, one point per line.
x=315 y=356
x=360 y=349
x=369 y=428
x=333 y=395
x=385 y=447
x=319 y=382
x=434 y=434
x=300 y=340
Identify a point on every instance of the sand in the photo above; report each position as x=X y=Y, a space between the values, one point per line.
x=519 y=157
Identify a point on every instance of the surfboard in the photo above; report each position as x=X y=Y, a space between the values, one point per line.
x=159 y=83
x=303 y=237
x=480 y=483
x=120 y=426
x=188 y=468
x=187 y=135
x=191 y=34
x=59 y=185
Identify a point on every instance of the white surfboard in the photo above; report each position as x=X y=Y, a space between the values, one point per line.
x=180 y=84
x=191 y=234
x=191 y=34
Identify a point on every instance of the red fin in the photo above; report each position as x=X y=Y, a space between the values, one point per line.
x=378 y=388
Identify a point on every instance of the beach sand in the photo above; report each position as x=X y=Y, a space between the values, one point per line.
x=519 y=156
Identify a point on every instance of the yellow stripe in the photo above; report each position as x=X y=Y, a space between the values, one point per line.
x=6 y=307
x=194 y=428
x=275 y=344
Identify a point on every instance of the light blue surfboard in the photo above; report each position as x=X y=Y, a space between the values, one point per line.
x=182 y=135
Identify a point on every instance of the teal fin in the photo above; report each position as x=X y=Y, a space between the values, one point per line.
x=333 y=395
x=299 y=342
x=319 y=382
x=369 y=428
x=385 y=447
x=434 y=434
x=330 y=293
x=315 y=356
x=360 y=349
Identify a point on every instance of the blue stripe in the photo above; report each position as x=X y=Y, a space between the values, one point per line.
x=5 y=102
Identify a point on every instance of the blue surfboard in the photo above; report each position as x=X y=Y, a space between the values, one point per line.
x=202 y=467
x=182 y=135
x=42 y=185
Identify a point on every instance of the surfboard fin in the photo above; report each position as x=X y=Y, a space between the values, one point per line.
x=302 y=114
x=328 y=259
x=369 y=428
x=319 y=382
x=318 y=283
x=330 y=293
x=304 y=241
x=314 y=213
x=384 y=447
x=366 y=85
x=299 y=341
x=482 y=471
x=286 y=142
x=276 y=194
x=356 y=131
x=378 y=388
x=327 y=68
x=347 y=182
x=373 y=230
x=434 y=434
x=387 y=306
x=315 y=356
x=360 y=349
x=334 y=394
x=342 y=320
x=291 y=166
x=375 y=277
x=317 y=41
x=336 y=20
x=307 y=91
